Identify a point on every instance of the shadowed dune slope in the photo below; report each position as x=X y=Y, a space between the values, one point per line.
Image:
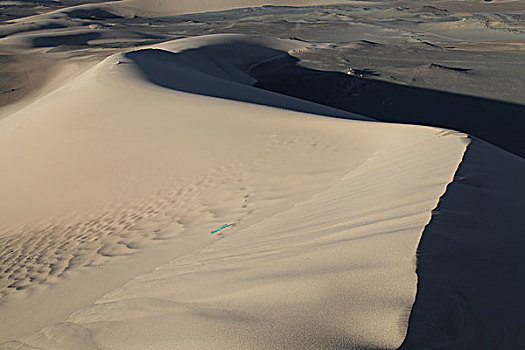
x=217 y=70
x=470 y=258
x=500 y=123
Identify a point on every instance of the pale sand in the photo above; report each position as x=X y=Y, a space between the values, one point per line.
x=112 y=177
x=334 y=271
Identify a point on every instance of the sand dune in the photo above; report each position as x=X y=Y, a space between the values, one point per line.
x=305 y=278
x=117 y=177
x=164 y=162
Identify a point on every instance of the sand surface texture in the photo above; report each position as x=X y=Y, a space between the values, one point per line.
x=123 y=149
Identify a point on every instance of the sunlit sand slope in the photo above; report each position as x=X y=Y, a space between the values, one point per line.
x=334 y=271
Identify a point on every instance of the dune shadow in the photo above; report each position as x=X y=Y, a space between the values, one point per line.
x=500 y=123
x=218 y=71
x=68 y=39
x=471 y=279
x=231 y=71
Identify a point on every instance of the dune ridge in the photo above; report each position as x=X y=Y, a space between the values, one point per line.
x=469 y=258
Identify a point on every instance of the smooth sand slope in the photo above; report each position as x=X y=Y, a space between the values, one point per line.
x=116 y=179
x=334 y=271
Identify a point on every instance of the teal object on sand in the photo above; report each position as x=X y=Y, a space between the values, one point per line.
x=220 y=228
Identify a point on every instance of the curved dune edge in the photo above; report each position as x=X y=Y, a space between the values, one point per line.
x=470 y=274
x=328 y=214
